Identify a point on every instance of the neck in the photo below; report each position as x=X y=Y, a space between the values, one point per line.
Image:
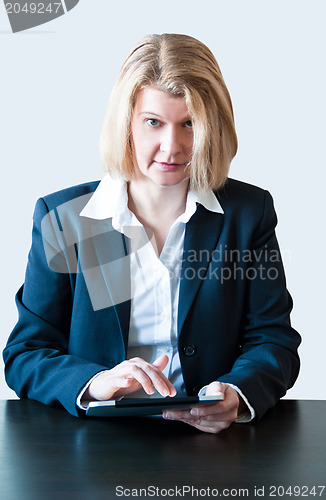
x=156 y=202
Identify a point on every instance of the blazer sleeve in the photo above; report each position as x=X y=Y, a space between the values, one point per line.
x=268 y=363
x=37 y=360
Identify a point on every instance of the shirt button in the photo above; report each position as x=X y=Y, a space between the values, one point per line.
x=189 y=350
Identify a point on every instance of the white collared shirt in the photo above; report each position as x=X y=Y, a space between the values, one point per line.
x=155 y=280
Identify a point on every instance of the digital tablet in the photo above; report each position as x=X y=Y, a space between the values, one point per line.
x=152 y=406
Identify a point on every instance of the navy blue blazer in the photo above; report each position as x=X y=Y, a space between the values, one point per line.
x=233 y=317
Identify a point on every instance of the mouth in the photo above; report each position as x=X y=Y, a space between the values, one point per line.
x=170 y=167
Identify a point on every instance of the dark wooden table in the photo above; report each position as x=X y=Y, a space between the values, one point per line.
x=47 y=454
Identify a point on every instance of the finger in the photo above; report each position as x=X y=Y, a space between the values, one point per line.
x=188 y=416
x=161 y=362
x=127 y=386
x=107 y=384
x=209 y=413
x=198 y=411
x=120 y=385
x=128 y=374
x=158 y=379
x=161 y=383
x=207 y=426
x=213 y=389
x=229 y=405
x=216 y=389
x=226 y=417
x=212 y=429
x=177 y=414
x=203 y=411
x=143 y=376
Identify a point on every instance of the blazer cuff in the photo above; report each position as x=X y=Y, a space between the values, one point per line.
x=246 y=416
x=82 y=405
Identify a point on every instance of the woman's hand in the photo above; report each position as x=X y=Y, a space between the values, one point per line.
x=130 y=376
x=216 y=417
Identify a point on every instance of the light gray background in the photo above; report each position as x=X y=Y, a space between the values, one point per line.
x=55 y=83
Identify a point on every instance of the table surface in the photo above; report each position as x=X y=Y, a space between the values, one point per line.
x=46 y=454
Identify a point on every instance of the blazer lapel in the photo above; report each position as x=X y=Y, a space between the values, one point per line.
x=201 y=238
x=106 y=268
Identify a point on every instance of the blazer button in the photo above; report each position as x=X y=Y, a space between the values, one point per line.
x=189 y=350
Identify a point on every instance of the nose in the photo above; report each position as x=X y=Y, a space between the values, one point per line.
x=171 y=140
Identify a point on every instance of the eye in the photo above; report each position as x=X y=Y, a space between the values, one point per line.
x=153 y=122
x=188 y=124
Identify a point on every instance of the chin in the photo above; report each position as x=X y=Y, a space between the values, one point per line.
x=172 y=182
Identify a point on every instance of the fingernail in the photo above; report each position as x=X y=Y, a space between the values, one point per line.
x=194 y=412
x=168 y=415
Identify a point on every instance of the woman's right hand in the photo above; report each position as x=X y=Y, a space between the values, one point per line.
x=130 y=376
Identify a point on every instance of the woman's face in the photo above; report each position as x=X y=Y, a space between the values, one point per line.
x=162 y=137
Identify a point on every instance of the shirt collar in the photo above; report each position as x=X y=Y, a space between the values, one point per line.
x=110 y=200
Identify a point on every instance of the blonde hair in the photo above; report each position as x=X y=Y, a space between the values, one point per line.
x=181 y=66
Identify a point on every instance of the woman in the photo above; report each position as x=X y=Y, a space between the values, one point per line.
x=166 y=275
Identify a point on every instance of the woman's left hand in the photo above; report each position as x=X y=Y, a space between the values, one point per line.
x=213 y=418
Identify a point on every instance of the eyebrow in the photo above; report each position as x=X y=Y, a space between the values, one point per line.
x=149 y=113
x=186 y=118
